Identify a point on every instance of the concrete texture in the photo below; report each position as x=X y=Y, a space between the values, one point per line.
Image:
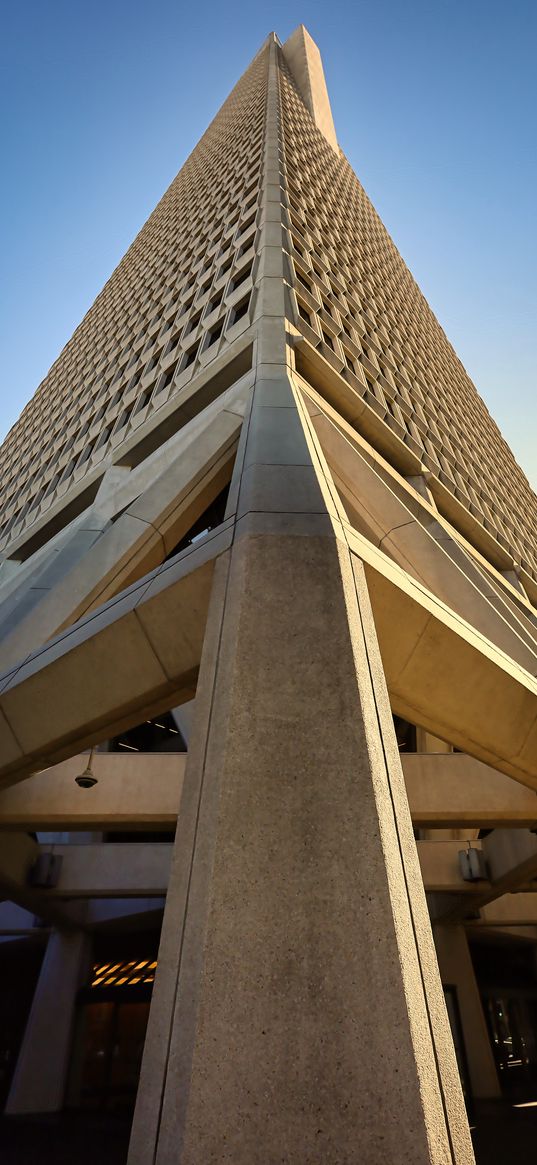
x=138 y=791
x=308 y=955
x=454 y=790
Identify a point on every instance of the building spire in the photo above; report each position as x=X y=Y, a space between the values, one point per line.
x=304 y=61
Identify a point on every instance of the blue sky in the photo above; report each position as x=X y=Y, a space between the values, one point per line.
x=434 y=104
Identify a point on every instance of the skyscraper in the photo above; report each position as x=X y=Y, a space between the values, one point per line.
x=259 y=479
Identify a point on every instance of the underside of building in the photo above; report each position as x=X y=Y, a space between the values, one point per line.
x=268 y=701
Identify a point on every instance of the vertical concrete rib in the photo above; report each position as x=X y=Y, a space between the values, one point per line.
x=298 y=1014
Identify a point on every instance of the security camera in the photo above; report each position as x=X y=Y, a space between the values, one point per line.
x=86 y=780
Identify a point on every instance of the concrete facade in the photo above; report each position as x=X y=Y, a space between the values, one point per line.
x=279 y=497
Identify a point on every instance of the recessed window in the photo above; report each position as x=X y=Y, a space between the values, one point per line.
x=213 y=304
x=166 y=379
x=189 y=357
x=68 y=469
x=214 y=334
x=305 y=282
x=224 y=270
x=154 y=361
x=241 y=277
x=240 y=310
x=135 y=378
x=143 y=399
x=85 y=455
x=52 y=485
x=349 y=361
x=103 y=437
x=204 y=288
x=193 y=323
x=172 y=344
x=123 y=418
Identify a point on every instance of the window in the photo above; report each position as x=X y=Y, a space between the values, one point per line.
x=349 y=361
x=166 y=378
x=214 y=334
x=123 y=418
x=240 y=310
x=189 y=357
x=305 y=315
x=143 y=399
x=241 y=277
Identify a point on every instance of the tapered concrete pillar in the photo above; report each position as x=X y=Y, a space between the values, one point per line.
x=40 y=1075
x=298 y=1011
x=457 y=971
x=307 y=1016
x=298 y=1014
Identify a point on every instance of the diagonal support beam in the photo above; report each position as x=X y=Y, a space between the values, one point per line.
x=148 y=645
x=186 y=478
x=441 y=672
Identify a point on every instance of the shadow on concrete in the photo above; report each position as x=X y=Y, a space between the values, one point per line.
x=501 y=1134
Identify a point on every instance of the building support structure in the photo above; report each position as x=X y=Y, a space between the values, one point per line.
x=39 y=1082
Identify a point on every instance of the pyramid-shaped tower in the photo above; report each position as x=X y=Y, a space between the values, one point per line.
x=259 y=477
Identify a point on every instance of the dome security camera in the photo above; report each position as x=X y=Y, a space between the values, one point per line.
x=86 y=780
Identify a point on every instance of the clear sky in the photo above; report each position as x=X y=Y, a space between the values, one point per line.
x=434 y=104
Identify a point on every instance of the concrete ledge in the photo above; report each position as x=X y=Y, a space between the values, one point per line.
x=455 y=791
x=135 y=791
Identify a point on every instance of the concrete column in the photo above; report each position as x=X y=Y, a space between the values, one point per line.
x=298 y=1014
x=456 y=970
x=40 y=1076
x=306 y=1023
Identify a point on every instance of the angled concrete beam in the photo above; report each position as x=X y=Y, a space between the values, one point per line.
x=147 y=643
x=454 y=791
x=448 y=678
x=397 y=520
x=134 y=791
x=55 y=704
x=441 y=672
x=138 y=541
x=349 y=404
